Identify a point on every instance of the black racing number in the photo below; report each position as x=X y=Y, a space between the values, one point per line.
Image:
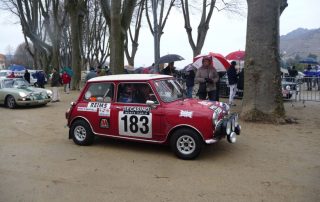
x=133 y=124
x=145 y=121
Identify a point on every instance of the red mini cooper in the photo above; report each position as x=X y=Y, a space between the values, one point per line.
x=149 y=108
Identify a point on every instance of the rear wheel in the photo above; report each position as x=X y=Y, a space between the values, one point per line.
x=11 y=102
x=186 y=143
x=81 y=133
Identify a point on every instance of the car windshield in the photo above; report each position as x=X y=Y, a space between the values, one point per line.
x=15 y=83
x=169 y=90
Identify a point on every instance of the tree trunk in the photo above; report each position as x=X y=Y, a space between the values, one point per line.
x=75 y=55
x=262 y=100
x=117 y=39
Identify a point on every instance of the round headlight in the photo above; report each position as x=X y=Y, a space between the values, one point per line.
x=49 y=92
x=288 y=87
x=228 y=127
x=22 y=94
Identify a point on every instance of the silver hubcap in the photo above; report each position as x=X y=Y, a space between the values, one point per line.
x=10 y=102
x=186 y=144
x=80 y=133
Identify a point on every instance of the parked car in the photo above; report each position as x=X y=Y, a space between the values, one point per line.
x=149 y=108
x=17 y=92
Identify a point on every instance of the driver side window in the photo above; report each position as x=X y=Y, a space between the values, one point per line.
x=99 y=92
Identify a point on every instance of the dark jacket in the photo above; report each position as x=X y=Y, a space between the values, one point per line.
x=55 y=81
x=169 y=71
x=232 y=75
x=190 y=78
x=27 y=76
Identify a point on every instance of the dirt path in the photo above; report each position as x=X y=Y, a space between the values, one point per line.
x=268 y=163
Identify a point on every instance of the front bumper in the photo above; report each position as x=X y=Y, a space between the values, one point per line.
x=21 y=102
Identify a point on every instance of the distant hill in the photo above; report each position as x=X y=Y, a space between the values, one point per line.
x=301 y=42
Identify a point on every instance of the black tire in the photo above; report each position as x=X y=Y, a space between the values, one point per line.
x=11 y=102
x=81 y=133
x=186 y=143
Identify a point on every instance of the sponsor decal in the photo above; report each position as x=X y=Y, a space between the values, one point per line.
x=136 y=110
x=205 y=103
x=98 y=105
x=86 y=109
x=186 y=114
x=104 y=112
x=104 y=123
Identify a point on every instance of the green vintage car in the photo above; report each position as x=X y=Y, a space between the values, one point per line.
x=17 y=92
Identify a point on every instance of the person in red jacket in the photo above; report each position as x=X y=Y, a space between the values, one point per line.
x=11 y=75
x=65 y=81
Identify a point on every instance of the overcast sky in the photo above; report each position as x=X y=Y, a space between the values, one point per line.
x=226 y=34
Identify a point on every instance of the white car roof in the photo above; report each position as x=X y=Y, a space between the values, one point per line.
x=129 y=77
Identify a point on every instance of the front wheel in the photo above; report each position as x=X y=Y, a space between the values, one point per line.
x=81 y=133
x=11 y=102
x=186 y=144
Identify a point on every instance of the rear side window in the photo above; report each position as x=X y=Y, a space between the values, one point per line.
x=99 y=92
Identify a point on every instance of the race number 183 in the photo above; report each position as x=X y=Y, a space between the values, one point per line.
x=135 y=125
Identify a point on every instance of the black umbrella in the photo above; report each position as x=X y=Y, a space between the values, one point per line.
x=169 y=58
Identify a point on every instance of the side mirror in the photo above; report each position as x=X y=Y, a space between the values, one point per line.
x=151 y=104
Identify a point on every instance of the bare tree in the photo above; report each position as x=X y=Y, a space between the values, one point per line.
x=206 y=11
x=22 y=56
x=263 y=98
x=118 y=16
x=159 y=23
x=132 y=35
x=96 y=40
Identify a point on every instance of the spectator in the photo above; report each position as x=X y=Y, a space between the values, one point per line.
x=308 y=77
x=91 y=74
x=221 y=74
x=190 y=82
x=27 y=76
x=65 y=81
x=240 y=85
x=41 y=79
x=293 y=72
x=170 y=70
x=207 y=77
x=11 y=75
x=55 y=83
x=233 y=81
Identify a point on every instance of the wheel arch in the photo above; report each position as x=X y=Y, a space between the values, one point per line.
x=183 y=126
x=80 y=118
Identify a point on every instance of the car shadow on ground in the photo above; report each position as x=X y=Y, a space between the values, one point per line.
x=132 y=146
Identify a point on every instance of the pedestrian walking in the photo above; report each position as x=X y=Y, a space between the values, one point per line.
x=207 y=77
x=233 y=81
x=66 y=82
x=55 y=83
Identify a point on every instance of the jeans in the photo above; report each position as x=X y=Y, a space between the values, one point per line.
x=233 y=91
x=211 y=95
x=189 y=91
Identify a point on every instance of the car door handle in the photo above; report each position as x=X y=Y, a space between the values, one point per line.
x=119 y=108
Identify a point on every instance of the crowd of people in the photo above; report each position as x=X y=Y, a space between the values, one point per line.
x=206 y=76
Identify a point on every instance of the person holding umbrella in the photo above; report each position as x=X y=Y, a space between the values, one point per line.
x=207 y=77
x=170 y=70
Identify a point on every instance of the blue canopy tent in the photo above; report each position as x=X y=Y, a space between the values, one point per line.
x=17 y=68
x=309 y=60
